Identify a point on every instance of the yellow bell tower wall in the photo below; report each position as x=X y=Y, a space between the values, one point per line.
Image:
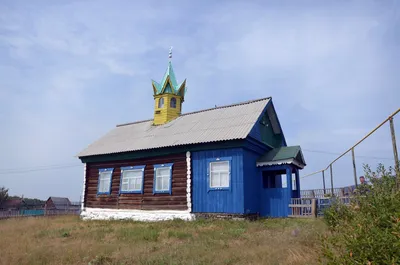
x=166 y=110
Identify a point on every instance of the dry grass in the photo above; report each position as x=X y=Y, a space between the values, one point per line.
x=68 y=240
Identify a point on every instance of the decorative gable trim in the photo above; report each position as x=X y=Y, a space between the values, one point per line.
x=189 y=182
x=84 y=188
x=281 y=162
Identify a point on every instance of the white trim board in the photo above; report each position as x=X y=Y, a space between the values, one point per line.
x=136 y=215
x=189 y=182
x=280 y=162
x=84 y=188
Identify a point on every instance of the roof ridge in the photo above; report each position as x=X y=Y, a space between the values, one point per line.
x=134 y=122
x=227 y=106
x=203 y=110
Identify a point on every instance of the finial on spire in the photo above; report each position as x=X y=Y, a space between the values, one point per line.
x=170 y=53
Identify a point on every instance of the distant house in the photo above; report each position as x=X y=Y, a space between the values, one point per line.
x=57 y=203
x=229 y=160
x=13 y=205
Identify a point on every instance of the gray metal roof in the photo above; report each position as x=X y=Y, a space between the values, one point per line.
x=60 y=202
x=217 y=124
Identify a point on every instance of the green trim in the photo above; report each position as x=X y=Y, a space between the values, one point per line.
x=162 y=151
x=283 y=153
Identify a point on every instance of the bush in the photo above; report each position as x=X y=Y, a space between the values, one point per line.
x=368 y=230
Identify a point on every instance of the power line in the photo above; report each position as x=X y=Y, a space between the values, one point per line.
x=37 y=169
x=360 y=156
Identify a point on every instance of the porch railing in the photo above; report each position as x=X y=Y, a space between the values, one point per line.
x=303 y=207
x=321 y=193
x=312 y=207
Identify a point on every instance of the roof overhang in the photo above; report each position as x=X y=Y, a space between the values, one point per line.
x=291 y=161
x=284 y=155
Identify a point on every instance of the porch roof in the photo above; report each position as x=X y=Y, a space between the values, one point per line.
x=283 y=155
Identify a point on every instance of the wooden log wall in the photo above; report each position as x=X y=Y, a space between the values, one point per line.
x=146 y=201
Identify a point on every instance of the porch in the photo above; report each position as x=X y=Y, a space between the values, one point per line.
x=279 y=170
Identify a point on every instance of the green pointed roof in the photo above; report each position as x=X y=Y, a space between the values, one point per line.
x=283 y=155
x=169 y=84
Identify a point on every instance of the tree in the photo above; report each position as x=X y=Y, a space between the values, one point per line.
x=3 y=195
x=368 y=230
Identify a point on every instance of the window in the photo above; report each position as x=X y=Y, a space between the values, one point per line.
x=219 y=173
x=284 y=180
x=161 y=103
x=104 y=184
x=173 y=103
x=294 y=182
x=162 y=178
x=132 y=179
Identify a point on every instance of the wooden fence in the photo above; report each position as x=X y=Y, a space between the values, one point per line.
x=301 y=207
x=321 y=193
x=4 y=214
x=312 y=207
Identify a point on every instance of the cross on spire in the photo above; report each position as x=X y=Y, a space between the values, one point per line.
x=170 y=53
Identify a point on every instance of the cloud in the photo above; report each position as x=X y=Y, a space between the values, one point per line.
x=70 y=71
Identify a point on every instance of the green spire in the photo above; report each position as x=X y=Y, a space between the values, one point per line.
x=169 y=83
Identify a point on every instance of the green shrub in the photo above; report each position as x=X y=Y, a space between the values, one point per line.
x=368 y=230
x=336 y=213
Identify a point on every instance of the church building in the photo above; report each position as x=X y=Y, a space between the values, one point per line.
x=229 y=160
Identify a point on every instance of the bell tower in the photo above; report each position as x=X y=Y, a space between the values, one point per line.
x=168 y=96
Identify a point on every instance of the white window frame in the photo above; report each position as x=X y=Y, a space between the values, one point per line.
x=158 y=177
x=104 y=181
x=212 y=174
x=161 y=103
x=294 y=182
x=284 y=181
x=124 y=171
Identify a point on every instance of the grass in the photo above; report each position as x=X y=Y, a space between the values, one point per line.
x=68 y=240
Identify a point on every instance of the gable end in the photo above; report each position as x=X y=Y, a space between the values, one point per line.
x=267 y=129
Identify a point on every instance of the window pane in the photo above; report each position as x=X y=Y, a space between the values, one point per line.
x=165 y=183
x=219 y=174
x=102 y=186
x=137 y=183
x=220 y=166
x=133 y=173
x=162 y=179
x=215 y=180
x=294 y=182
x=224 y=179
x=161 y=103
x=124 y=187
x=104 y=181
x=132 y=179
x=163 y=172
x=173 y=103
x=158 y=183
x=284 y=181
x=131 y=183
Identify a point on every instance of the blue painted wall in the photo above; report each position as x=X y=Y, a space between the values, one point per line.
x=217 y=201
x=275 y=201
x=268 y=202
x=252 y=181
x=247 y=194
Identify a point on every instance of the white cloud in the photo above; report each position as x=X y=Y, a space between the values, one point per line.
x=68 y=73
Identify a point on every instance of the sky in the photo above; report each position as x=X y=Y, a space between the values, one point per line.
x=71 y=70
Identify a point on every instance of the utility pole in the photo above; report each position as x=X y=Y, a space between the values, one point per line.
x=354 y=166
x=396 y=156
